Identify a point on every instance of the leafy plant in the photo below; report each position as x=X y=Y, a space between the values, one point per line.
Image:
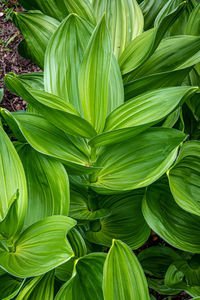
x=104 y=152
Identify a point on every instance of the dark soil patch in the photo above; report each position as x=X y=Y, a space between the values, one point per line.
x=10 y=60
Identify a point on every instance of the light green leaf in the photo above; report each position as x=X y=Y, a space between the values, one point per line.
x=176 y=226
x=37 y=30
x=174 y=53
x=155 y=81
x=77 y=242
x=123 y=275
x=1 y=95
x=125 y=222
x=56 y=110
x=39 y=249
x=48 y=185
x=184 y=178
x=69 y=43
x=141 y=112
x=9 y=287
x=141 y=48
x=136 y=163
x=12 y=181
x=47 y=139
x=40 y=288
x=86 y=280
x=93 y=85
x=124 y=20
x=147 y=108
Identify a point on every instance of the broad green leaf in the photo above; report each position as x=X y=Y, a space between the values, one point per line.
x=12 y=181
x=136 y=163
x=54 y=8
x=56 y=110
x=37 y=29
x=69 y=43
x=48 y=140
x=48 y=185
x=194 y=105
x=141 y=48
x=147 y=108
x=9 y=287
x=193 y=25
x=40 y=288
x=93 y=85
x=125 y=221
x=140 y=113
x=174 y=278
x=171 y=120
x=184 y=178
x=123 y=275
x=156 y=260
x=124 y=20
x=39 y=249
x=86 y=280
x=80 y=208
x=155 y=81
x=176 y=226
x=173 y=53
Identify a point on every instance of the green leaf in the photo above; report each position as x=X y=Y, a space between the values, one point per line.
x=136 y=163
x=69 y=42
x=37 y=30
x=80 y=210
x=83 y=8
x=54 y=8
x=77 y=242
x=39 y=249
x=93 y=85
x=176 y=226
x=123 y=275
x=173 y=53
x=124 y=20
x=150 y=9
x=33 y=80
x=184 y=178
x=149 y=107
x=12 y=181
x=40 y=288
x=193 y=25
x=1 y=95
x=9 y=287
x=160 y=287
x=141 y=112
x=86 y=280
x=48 y=140
x=141 y=48
x=155 y=81
x=56 y=110
x=156 y=260
x=48 y=185
x=125 y=222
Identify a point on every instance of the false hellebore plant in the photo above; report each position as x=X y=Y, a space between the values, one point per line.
x=107 y=150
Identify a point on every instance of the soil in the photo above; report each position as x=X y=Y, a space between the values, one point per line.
x=11 y=61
